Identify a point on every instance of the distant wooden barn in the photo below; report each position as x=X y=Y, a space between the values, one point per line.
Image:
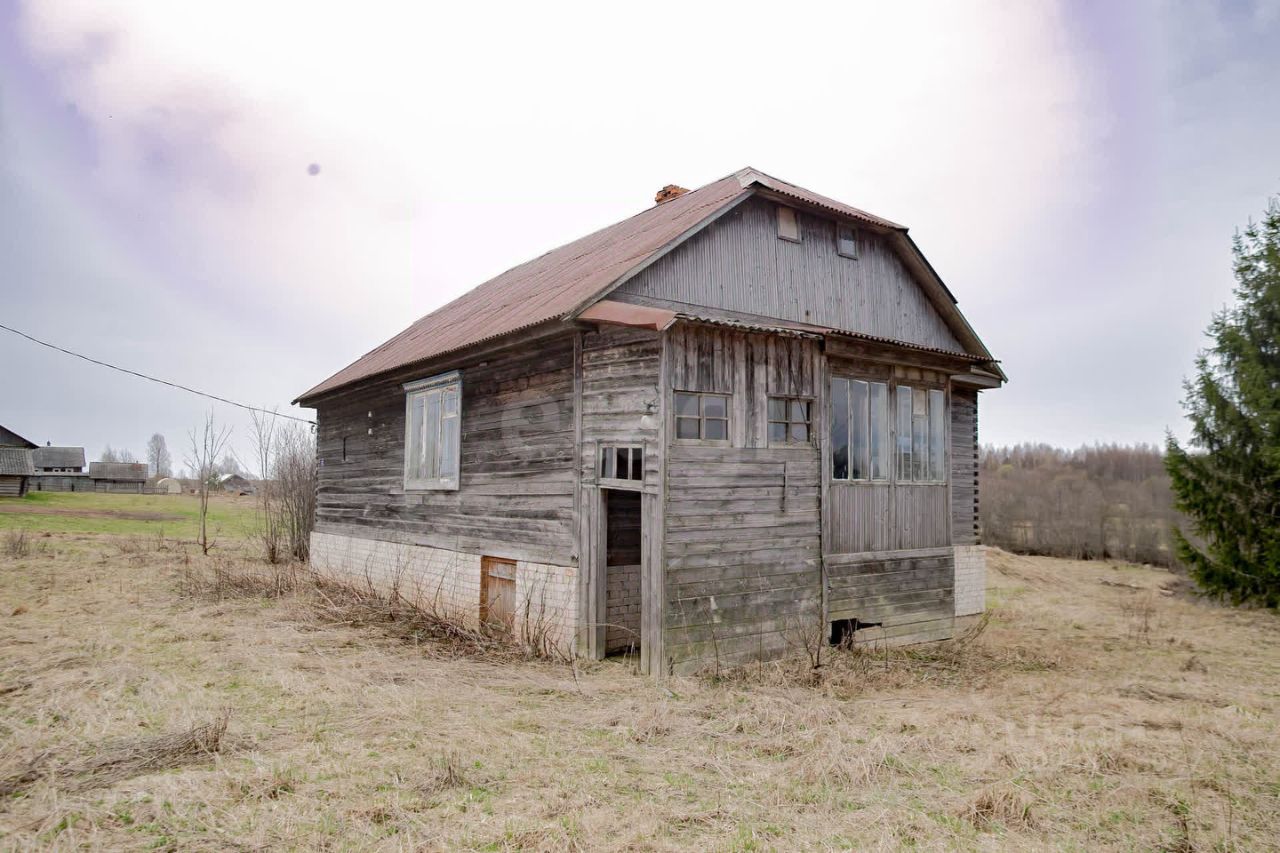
x=739 y=419
x=58 y=460
x=16 y=468
x=129 y=477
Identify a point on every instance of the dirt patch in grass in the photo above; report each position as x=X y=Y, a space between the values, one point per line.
x=1081 y=717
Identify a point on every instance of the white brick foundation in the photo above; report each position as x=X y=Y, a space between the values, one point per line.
x=448 y=582
x=971 y=579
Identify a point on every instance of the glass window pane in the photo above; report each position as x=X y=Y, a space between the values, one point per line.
x=716 y=430
x=777 y=409
x=449 y=447
x=715 y=406
x=857 y=430
x=840 y=429
x=414 y=450
x=845 y=244
x=920 y=434
x=904 y=433
x=431 y=433
x=623 y=455
x=777 y=431
x=451 y=400
x=937 y=436
x=606 y=462
x=686 y=427
x=878 y=443
x=800 y=432
x=800 y=411
x=637 y=463
x=686 y=404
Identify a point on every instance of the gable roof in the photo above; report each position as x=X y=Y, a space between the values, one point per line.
x=9 y=438
x=566 y=280
x=118 y=470
x=58 y=457
x=16 y=461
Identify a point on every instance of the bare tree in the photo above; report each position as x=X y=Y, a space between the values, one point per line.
x=109 y=454
x=286 y=460
x=158 y=460
x=207 y=442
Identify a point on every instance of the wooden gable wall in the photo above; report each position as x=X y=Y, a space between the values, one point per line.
x=739 y=264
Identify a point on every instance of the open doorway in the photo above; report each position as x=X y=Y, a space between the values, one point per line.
x=622 y=571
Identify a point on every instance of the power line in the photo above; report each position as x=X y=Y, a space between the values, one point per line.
x=153 y=378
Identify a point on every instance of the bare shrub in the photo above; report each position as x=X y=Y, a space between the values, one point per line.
x=444 y=773
x=286 y=458
x=115 y=761
x=17 y=543
x=221 y=578
x=207 y=443
x=1000 y=806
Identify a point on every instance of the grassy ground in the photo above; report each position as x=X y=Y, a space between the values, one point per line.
x=175 y=516
x=1095 y=712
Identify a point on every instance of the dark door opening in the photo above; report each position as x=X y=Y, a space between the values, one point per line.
x=622 y=571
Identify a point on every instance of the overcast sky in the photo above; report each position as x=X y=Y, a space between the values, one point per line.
x=1075 y=172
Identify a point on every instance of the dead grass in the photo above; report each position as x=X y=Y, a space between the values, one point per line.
x=1055 y=724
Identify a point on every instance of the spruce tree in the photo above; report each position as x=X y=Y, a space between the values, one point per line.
x=1228 y=483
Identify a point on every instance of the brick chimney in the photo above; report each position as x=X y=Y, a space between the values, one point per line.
x=669 y=192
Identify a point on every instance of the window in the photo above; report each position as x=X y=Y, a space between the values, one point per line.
x=432 y=432
x=859 y=430
x=702 y=416
x=846 y=245
x=788 y=224
x=922 y=419
x=621 y=463
x=789 y=420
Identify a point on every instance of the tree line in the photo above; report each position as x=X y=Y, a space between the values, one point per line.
x=1105 y=501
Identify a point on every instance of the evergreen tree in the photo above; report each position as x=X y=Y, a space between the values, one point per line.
x=1229 y=485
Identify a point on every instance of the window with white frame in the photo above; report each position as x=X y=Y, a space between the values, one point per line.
x=621 y=462
x=859 y=430
x=432 y=436
x=702 y=416
x=921 y=444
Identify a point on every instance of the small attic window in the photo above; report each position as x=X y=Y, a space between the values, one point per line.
x=846 y=242
x=788 y=224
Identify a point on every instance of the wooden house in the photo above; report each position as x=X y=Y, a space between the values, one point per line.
x=58 y=460
x=16 y=467
x=743 y=418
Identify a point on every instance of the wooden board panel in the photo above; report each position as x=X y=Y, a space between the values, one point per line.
x=516 y=495
x=894 y=589
x=964 y=466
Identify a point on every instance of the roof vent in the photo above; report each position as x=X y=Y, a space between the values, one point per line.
x=669 y=192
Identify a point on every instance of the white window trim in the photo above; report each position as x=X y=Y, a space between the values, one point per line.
x=413 y=390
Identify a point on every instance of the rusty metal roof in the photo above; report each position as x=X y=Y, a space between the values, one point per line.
x=563 y=280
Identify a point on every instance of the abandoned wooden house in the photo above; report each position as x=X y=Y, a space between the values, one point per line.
x=744 y=417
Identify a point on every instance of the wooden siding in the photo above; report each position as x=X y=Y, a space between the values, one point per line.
x=12 y=486
x=910 y=594
x=516 y=493
x=964 y=466
x=742 y=541
x=739 y=264
x=619 y=403
x=885 y=517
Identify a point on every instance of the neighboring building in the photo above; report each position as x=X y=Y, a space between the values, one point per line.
x=743 y=416
x=118 y=476
x=58 y=460
x=15 y=464
x=237 y=485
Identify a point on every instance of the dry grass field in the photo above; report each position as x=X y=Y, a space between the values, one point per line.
x=148 y=703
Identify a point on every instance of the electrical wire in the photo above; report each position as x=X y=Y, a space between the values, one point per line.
x=153 y=378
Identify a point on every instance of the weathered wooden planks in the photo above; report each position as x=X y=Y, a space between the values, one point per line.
x=739 y=264
x=964 y=466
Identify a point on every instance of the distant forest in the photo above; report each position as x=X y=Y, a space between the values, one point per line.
x=1104 y=501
